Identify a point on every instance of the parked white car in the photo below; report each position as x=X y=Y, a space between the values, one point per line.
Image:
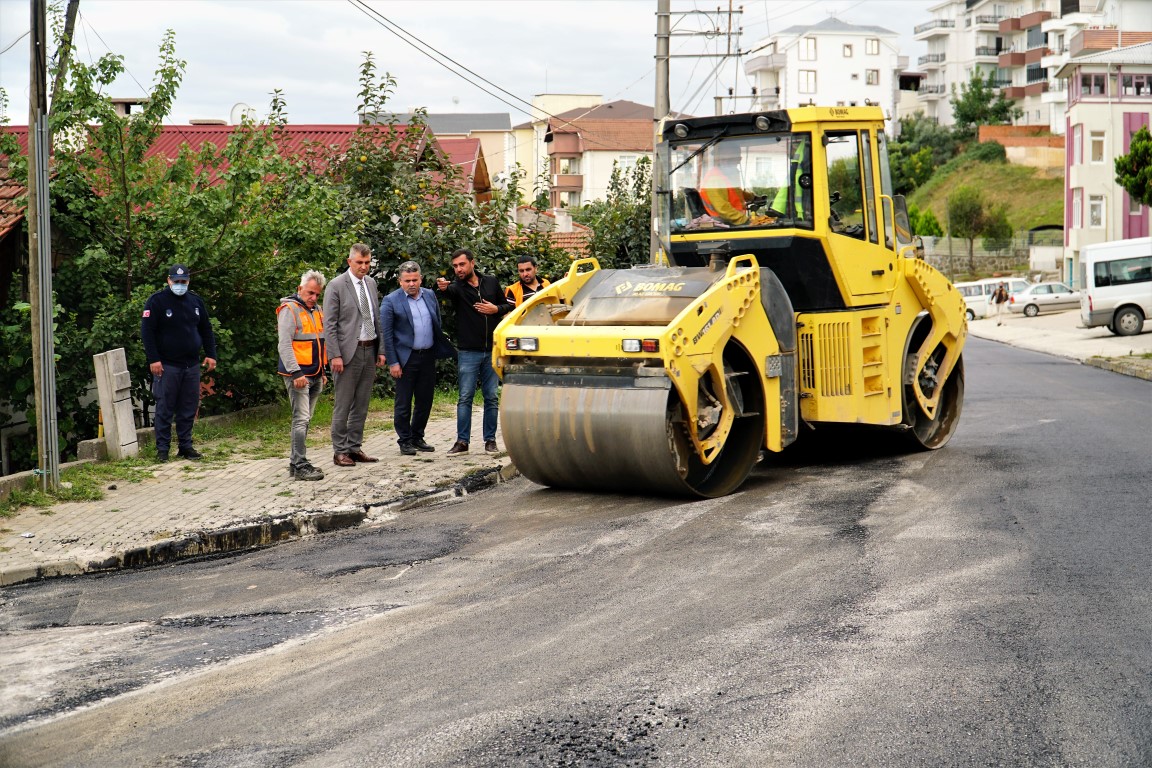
x=978 y=295
x=1044 y=297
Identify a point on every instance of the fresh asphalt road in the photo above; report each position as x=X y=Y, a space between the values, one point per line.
x=986 y=604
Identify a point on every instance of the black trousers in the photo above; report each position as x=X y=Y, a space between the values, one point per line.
x=417 y=383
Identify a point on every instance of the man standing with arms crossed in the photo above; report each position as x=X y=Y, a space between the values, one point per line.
x=353 y=334
x=479 y=306
x=300 y=332
x=174 y=328
x=413 y=341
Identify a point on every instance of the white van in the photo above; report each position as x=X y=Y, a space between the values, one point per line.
x=1117 y=280
x=978 y=295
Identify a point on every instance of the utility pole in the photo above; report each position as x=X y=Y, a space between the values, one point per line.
x=662 y=108
x=40 y=295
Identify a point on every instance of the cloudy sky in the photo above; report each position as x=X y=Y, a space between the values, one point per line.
x=238 y=51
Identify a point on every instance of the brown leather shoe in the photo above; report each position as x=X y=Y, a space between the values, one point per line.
x=343 y=460
x=361 y=456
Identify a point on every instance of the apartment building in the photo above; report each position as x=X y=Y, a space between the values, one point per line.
x=831 y=63
x=1109 y=97
x=1018 y=46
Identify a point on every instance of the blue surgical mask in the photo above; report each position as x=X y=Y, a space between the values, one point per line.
x=179 y=288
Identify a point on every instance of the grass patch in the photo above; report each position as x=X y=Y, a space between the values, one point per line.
x=1032 y=196
x=86 y=482
x=262 y=434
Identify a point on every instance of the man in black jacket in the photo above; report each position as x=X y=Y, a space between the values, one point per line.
x=480 y=303
x=174 y=327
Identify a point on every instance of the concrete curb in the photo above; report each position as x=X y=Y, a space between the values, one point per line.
x=1138 y=367
x=259 y=533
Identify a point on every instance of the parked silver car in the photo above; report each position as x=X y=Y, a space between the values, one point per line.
x=1044 y=297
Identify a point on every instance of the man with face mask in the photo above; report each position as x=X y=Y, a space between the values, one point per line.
x=174 y=328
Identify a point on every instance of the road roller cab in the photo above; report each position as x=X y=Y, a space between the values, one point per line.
x=787 y=295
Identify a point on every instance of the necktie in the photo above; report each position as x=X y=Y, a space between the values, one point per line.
x=369 y=331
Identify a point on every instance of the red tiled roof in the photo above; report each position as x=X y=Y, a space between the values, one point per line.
x=293 y=141
x=575 y=243
x=12 y=193
x=468 y=156
x=608 y=135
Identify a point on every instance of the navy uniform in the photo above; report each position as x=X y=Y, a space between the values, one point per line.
x=174 y=328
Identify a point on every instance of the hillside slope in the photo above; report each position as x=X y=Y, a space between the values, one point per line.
x=1032 y=196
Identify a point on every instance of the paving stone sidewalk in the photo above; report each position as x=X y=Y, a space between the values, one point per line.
x=196 y=508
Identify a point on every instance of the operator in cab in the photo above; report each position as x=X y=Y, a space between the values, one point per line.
x=722 y=192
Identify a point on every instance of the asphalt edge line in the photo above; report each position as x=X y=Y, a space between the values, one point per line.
x=257 y=534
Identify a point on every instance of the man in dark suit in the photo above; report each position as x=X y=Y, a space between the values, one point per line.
x=352 y=327
x=413 y=341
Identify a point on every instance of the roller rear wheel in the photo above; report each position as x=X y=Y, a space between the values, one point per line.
x=925 y=433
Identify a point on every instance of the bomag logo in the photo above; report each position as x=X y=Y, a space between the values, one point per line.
x=839 y=112
x=624 y=286
x=658 y=288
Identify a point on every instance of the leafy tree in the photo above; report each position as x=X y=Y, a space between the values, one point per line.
x=997 y=231
x=621 y=223
x=1134 y=170
x=924 y=222
x=966 y=218
x=922 y=146
x=979 y=103
x=399 y=194
x=244 y=218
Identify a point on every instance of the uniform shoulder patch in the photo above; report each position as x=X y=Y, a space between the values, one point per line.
x=147 y=313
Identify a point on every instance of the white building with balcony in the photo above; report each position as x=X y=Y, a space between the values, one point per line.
x=832 y=63
x=1019 y=46
x=1109 y=98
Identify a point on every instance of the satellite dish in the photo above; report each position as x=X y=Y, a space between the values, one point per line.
x=240 y=110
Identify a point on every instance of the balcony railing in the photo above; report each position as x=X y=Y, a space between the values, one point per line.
x=931 y=58
x=934 y=24
x=1000 y=82
x=985 y=19
x=933 y=89
x=986 y=50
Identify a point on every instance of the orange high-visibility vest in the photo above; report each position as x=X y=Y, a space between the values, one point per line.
x=307 y=340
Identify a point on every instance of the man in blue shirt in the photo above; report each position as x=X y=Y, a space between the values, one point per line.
x=174 y=327
x=413 y=341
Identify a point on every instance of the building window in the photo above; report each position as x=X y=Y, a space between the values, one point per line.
x=1077 y=208
x=569 y=166
x=847 y=50
x=1077 y=144
x=1096 y=211
x=626 y=162
x=1096 y=147
x=872 y=46
x=572 y=200
x=807 y=81
x=1135 y=207
x=808 y=49
x=1136 y=85
x=1092 y=84
x=872 y=76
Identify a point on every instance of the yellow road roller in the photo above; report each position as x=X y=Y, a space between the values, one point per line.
x=786 y=295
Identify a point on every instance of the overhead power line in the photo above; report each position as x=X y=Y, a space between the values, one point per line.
x=428 y=50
